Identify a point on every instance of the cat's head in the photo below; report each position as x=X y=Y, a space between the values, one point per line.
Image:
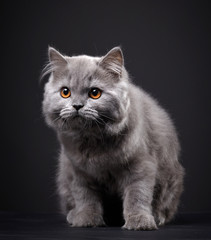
x=86 y=93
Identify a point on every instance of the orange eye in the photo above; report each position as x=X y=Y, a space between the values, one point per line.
x=65 y=92
x=95 y=93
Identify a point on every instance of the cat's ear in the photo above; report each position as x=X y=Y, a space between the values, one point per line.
x=56 y=57
x=57 y=63
x=113 y=61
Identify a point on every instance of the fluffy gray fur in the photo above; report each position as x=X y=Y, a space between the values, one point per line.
x=123 y=140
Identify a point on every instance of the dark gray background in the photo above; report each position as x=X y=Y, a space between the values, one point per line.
x=167 y=51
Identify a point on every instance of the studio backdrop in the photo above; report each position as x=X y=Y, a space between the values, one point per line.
x=166 y=46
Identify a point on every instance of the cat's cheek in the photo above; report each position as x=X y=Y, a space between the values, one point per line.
x=51 y=112
x=95 y=104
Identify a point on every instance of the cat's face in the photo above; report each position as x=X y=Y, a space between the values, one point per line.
x=86 y=93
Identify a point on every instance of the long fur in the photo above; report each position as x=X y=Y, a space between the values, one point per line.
x=124 y=142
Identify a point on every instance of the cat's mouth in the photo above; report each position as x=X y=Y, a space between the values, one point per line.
x=85 y=118
x=73 y=119
x=76 y=116
x=87 y=114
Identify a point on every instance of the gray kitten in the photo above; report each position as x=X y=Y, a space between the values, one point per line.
x=112 y=134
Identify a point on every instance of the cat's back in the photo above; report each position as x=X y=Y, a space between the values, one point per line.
x=157 y=127
x=148 y=108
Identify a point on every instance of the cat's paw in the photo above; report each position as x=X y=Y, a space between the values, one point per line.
x=70 y=216
x=140 y=222
x=160 y=219
x=85 y=219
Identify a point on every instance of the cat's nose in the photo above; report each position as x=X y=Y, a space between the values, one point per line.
x=77 y=107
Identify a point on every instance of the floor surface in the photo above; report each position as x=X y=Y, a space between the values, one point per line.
x=16 y=226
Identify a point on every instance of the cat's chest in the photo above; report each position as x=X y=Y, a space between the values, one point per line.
x=102 y=159
x=90 y=149
x=107 y=179
x=107 y=170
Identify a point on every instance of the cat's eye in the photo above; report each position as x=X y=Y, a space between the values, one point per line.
x=95 y=93
x=65 y=92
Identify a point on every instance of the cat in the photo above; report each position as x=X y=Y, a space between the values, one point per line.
x=114 y=134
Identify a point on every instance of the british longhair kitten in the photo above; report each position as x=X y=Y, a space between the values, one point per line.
x=112 y=133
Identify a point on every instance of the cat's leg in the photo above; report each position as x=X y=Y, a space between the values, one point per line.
x=138 y=194
x=80 y=203
x=88 y=210
x=167 y=195
x=64 y=180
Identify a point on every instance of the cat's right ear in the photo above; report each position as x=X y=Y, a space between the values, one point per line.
x=56 y=57
x=56 y=64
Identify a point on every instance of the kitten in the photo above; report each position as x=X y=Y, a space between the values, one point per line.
x=113 y=134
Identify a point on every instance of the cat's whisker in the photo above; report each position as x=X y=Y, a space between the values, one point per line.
x=103 y=122
x=49 y=68
x=56 y=112
x=84 y=126
x=90 y=115
x=90 y=110
x=105 y=116
x=65 y=112
x=66 y=109
x=63 y=124
x=56 y=119
x=101 y=133
x=109 y=127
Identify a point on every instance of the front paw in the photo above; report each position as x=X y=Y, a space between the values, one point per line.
x=142 y=221
x=85 y=219
x=160 y=219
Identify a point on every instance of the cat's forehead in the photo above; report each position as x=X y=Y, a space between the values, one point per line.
x=82 y=66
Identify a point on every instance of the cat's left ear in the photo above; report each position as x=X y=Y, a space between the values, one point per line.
x=113 y=61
